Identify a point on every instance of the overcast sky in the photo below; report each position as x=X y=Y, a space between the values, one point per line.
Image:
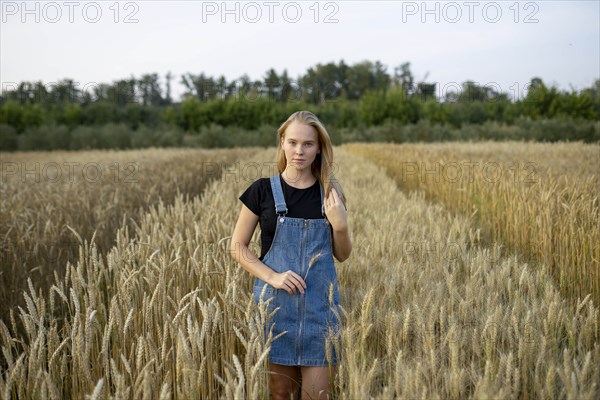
x=502 y=44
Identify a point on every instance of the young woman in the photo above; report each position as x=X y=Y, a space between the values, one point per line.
x=302 y=215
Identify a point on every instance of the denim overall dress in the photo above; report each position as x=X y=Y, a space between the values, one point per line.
x=307 y=318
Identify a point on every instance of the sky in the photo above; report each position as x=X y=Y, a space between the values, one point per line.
x=500 y=44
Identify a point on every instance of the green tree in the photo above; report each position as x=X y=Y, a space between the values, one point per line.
x=399 y=107
x=100 y=113
x=289 y=89
x=150 y=90
x=538 y=102
x=33 y=116
x=425 y=91
x=272 y=85
x=594 y=94
x=11 y=113
x=72 y=115
x=360 y=80
x=189 y=117
x=372 y=107
x=574 y=105
x=404 y=78
x=435 y=112
x=169 y=115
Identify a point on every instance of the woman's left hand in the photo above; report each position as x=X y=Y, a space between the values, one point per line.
x=335 y=211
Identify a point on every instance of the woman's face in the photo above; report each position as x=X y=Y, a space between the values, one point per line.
x=300 y=145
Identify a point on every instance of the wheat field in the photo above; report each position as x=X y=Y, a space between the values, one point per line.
x=540 y=199
x=431 y=308
x=47 y=196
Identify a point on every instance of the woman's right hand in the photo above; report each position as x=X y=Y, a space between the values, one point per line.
x=288 y=281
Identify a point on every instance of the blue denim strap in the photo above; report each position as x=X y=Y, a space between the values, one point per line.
x=280 y=206
x=322 y=200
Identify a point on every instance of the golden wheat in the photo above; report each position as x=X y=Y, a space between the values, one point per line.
x=428 y=309
x=538 y=198
x=52 y=199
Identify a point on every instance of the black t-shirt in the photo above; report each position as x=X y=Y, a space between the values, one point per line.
x=301 y=203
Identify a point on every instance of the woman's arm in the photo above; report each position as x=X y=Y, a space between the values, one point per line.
x=336 y=214
x=342 y=245
x=244 y=228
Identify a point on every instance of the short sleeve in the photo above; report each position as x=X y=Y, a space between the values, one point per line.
x=251 y=197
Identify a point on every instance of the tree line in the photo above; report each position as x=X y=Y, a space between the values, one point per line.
x=344 y=96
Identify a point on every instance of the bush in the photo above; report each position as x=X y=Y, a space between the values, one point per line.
x=47 y=137
x=114 y=136
x=9 y=140
x=162 y=136
x=120 y=136
x=83 y=138
x=558 y=129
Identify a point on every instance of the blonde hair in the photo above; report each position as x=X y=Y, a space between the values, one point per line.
x=322 y=166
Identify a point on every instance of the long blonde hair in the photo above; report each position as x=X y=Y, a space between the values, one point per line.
x=322 y=166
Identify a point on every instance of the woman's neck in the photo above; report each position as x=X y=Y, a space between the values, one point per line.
x=300 y=179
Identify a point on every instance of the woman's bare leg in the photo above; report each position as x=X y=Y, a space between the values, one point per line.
x=283 y=382
x=315 y=382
